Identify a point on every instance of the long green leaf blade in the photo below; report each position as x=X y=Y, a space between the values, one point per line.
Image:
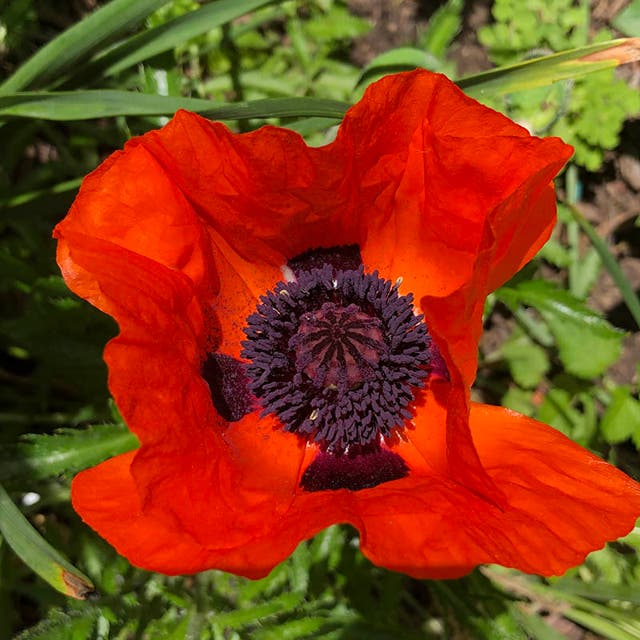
x=79 y=41
x=546 y=70
x=170 y=35
x=85 y=105
x=38 y=554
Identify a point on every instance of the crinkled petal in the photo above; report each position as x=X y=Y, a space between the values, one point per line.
x=456 y=199
x=562 y=502
x=154 y=364
x=107 y=498
x=242 y=485
x=180 y=259
x=148 y=217
x=289 y=196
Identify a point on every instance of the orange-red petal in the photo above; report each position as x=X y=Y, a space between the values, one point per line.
x=562 y=502
x=435 y=189
x=445 y=185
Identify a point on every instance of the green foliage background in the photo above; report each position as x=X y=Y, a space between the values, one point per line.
x=554 y=361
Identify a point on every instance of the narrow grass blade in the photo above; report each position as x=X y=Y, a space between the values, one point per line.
x=169 y=35
x=38 y=554
x=76 y=43
x=536 y=627
x=628 y=294
x=599 y=591
x=603 y=627
x=548 y=69
x=23 y=198
x=85 y=105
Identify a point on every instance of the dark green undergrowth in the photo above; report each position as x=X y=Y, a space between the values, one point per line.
x=552 y=354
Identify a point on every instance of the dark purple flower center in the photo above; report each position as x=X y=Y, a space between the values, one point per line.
x=338 y=346
x=337 y=355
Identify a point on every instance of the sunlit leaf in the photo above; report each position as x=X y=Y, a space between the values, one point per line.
x=601 y=591
x=444 y=25
x=628 y=20
x=241 y=617
x=545 y=70
x=527 y=361
x=570 y=407
x=38 y=554
x=586 y=342
x=621 y=420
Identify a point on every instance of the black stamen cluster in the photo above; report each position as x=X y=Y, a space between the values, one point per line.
x=372 y=351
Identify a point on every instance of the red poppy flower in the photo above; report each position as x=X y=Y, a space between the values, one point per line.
x=276 y=368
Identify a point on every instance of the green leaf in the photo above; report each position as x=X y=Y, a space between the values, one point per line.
x=622 y=417
x=169 y=35
x=85 y=105
x=545 y=70
x=309 y=126
x=477 y=605
x=528 y=362
x=38 y=554
x=335 y=24
x=400 y=59
x=76 y=43
x=628 y=20
x=587 y=343
x=66 y=451
x=569 y=406
x=307 y=627
x=536 y=627
x=556 y=253
x=23 y=198
x=614 y=623
x=594 y=116
x=300 y=564
x=583 y=273
x=519 y=400
x=519 y=29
